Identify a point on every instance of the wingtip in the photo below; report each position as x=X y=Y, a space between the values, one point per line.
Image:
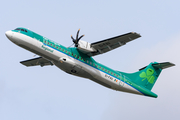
x=136 y=33
x=172 y=64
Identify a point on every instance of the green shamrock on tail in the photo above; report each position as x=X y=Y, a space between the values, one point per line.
x=148 y=75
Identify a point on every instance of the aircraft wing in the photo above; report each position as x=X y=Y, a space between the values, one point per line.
x=112 y=43
x=36 y=61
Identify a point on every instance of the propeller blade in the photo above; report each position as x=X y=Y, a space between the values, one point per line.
x=77 y=34
x=73 y=39
x=80 y=38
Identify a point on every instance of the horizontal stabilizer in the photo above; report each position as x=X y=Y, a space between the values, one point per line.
x=36 y=61
x=163 y=65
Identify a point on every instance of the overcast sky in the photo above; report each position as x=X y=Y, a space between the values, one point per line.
x=47 y=93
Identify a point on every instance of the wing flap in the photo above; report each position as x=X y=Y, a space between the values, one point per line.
x=36 y=61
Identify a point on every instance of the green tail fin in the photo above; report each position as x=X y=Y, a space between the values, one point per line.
x=147 y=76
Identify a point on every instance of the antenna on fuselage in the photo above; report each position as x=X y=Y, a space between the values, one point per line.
x=71 y=45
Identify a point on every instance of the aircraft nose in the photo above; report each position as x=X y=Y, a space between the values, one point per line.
x=8 y=34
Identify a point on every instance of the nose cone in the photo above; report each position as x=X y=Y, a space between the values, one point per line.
x=9 y=34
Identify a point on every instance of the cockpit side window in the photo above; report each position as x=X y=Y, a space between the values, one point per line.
x=24 y=30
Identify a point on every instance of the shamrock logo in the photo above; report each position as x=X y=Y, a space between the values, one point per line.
x=148 y=75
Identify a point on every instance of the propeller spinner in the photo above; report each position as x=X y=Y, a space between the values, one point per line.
x=77 y=39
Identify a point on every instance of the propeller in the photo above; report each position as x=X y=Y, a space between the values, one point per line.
x=77 y=39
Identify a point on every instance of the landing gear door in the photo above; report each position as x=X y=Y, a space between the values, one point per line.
x=76 y=69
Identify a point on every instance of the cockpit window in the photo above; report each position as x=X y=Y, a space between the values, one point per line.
x=21 y=29
x=17 y=29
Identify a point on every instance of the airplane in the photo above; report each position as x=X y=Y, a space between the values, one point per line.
x=78 y=60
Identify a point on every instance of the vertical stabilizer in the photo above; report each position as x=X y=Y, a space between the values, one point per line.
x=147 y=76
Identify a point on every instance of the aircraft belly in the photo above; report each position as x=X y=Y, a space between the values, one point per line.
x=128 y=88
x=72 y=69
x=93 y=75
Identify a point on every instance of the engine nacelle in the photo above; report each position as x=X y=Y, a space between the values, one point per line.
x=85 y=47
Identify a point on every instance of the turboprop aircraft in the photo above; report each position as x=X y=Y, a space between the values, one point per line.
x=78 y=60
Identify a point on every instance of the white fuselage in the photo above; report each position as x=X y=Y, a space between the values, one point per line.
x=69 y=64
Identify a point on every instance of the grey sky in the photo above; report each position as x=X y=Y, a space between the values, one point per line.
x=50 y=94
